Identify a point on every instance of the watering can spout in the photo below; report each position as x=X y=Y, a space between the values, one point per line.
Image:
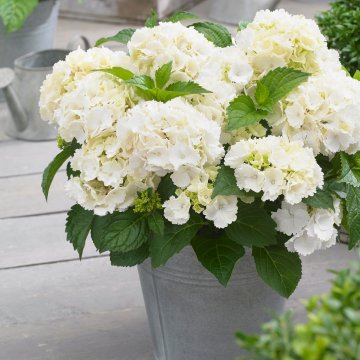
x=18 y=114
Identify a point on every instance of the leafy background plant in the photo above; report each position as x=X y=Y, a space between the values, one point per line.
x=332 y=333
x=15 y=12
x=341 y=25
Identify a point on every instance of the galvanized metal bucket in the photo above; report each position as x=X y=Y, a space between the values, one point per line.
x=22 y=92
x=192 y=317
x=37 y=33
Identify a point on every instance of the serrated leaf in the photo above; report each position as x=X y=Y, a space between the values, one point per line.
x=225 y=183
x=253 y=227
x=182 y=16
x=218 y=255
x=188 y=88
x=321 y=199
x=281 y=81
x=52 y=169
x=97 y=228
x=324 y=163
x=216 y=33
x=125 y=231
x=156 y=223
x=130 y=258
x=166 y=188
x=338 y=188
x=357 y=75
x=70 y=172
x=123 y=37
x=243 y=25
x=162 y=75
x=152 y=21
x=348 y=174
x=261 y=93
x=144 y=83
x=74 y=145
x=14 y=13
x=119 y=72
x=353 y=218
x=279 y=268
x=242 y=112
x=78 y=224
x=175 y=238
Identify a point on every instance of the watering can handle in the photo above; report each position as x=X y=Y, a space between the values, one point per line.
x=76 y=38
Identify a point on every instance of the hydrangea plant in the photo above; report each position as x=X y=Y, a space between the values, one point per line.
x=196 y=138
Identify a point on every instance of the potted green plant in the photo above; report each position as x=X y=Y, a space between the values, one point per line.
x=340 y=25
x=332 y=332
x=210 y=162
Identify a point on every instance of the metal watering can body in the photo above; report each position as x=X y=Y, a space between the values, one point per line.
x=21 y=88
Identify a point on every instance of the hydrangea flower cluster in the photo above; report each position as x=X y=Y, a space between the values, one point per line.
x=312 y=228
x=276 y=167
x=322 y=114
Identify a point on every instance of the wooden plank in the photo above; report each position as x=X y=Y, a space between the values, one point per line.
x=39 y=239
x=120 y=334
x=22 y=196
x=57 y=291
x=26 y=157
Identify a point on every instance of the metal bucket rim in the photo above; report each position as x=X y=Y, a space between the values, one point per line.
x=28 y=68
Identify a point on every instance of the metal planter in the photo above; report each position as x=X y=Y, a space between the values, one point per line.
x=192 y=317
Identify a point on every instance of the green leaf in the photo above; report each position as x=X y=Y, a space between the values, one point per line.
x=216 y=33
x=119 y=72
x=253 y=227
x=218 y=255
x=267 y=106
x=123 y=37
x=348 y=174
x=166 y=188
x=97 y=229
x=74 y=145
x=130 y=258
x=279 y=268
x=70 y=172
x=152 y=21
x=162 y=75
x=242 y=112
x=261 y=93
x=281 y=81
x=182 y=16
x=144 y=83
x=243 y=25
x=321 y=199
x=225 y=183
x=175 y=238
x=14 y=13
x=357 y=75
x=180 y=88
x=324 y=162
x=156 y=223
x=52 y=169
x=125 y=231
x=78 y=224
x=353 y=218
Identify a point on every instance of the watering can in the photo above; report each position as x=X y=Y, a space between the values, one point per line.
x=21 y=88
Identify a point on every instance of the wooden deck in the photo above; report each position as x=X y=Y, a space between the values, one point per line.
x=53 y=306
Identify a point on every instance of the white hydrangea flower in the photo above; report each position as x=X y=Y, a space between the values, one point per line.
x=277 y=39
x=323 y=114
x=167 y=137
x=313 y=228
x=177 y=209
x=66 y=74
x=276 y=166
x=290 y=219
x=150 y=48
x=222 y=210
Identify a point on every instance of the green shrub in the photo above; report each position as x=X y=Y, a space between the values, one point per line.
x=341 y=25
x=332 y=333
